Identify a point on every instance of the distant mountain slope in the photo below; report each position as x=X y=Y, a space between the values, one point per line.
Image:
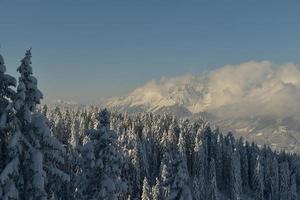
x=280 y=134
x=255 y=99
x=183 y=92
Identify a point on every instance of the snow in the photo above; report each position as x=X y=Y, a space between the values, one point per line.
x=57 y=172
x=38 y=177
x=14 y=141
x=3 y=120
x=244 y=89
x=10 y=191
x=10 y=168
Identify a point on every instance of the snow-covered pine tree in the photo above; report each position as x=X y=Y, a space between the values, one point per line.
x=293 y=188
x=274 y=180
x=253 y=153
x=6 y=111
x=51 y=154
x=136 y=166
x=157 y=191
x=35 y=154
x=166 y=176
x=7 y=166
x=235 y=176
x=102 y=162
x=75 y=133
x=258 y=182
x=196 y=188
x=219 y=161
x=179 y=186
x=212 y=190
x=199 y=166
x=146 y=194
x=244 y=163
x=284 y=181
x=199 y=162
x=227 y=149
x=45 y=110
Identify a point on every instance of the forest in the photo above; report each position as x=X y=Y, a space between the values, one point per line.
x=63 y=152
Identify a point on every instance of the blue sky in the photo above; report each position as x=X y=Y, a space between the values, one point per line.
x=88 y=50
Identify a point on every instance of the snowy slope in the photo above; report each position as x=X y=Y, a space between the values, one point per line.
x=280 y=134
x=153 y=97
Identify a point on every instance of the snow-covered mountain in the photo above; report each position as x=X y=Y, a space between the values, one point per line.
x=257 y=100
x=178 y=95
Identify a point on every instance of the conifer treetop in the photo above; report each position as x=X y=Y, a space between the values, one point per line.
x=28 y=94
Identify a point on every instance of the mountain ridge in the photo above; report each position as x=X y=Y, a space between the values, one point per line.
x=253 y=100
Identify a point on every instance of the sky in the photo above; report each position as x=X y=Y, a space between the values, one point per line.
x=86 y=51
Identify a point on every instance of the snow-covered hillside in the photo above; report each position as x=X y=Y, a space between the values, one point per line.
x=253 y=99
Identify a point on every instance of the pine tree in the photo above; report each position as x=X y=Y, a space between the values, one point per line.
x=75 y=135
x=274 y=180
x=157 y=191
x=35 y=155
x=7 y=166
x=146 y=195
x=252 y=152
x=244 y=163
x=258 y=182
x=212 y=191
x=198 y=187
x=179 y=188
x=293 y=188
x=235 y=176
x=102 y=162
x=166 y=180
x=284 y=181
x=219 y=161
x=199 y=163
x=45 y=110
x=6 y=111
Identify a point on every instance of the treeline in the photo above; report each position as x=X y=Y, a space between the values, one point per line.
x=162 y=157
x=82 y=152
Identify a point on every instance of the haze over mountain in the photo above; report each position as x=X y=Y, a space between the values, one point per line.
x=258 y=100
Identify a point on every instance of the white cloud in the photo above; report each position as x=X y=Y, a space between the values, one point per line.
x=248 y=89
x=255 y=88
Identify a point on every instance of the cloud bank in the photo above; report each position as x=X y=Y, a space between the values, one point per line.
x=243 y=90
x=255 y=88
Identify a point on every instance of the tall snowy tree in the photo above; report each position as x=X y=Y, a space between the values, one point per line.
x=6 y=111
x=212 y=190
x=7 y=167
x=258 y=182
x=284 y=181
x=157 y=191
x=35 y=155
x=199 y=167
x=244 y=163
x=219 y=161
x=166 y=180
x=179 y=187
x=293 y=188
x=235 y=177
x=274 y=180
x=146 y=195
x=199 y=162
x=102 y=162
